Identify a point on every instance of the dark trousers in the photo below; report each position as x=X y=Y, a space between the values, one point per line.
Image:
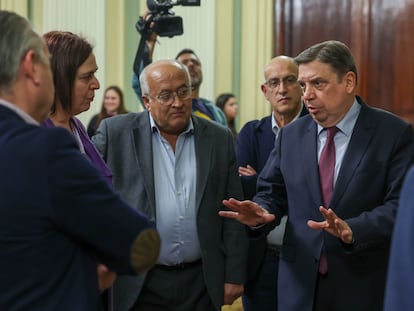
x=332 y=295
x=174 y=289
x=262 y=294
x=324 y=296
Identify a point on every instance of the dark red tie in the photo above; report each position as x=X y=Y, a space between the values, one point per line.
x=326 y=175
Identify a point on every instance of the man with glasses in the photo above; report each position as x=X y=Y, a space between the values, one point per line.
x=177 y=168
x=201 y=107
x=254 y=144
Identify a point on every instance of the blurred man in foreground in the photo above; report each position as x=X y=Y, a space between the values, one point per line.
x=58 y=217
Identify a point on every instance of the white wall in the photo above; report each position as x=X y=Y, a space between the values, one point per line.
x=231 y=63
x=199 y=30
x=85 y=18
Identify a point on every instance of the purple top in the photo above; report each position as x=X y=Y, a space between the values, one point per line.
x=90 y=150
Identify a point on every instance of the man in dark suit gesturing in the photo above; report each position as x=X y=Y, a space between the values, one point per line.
x=177 y=168
x=336 y=244
x=58 y=216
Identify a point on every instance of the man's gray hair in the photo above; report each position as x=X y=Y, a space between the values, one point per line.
x=143 y=77
x=17 y=37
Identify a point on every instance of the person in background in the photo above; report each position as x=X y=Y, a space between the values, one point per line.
x=150 y=39
x=177 y=168
x=337 y=173
x=201 y=107
x=58 y=216
x=254 y=144
x=73 y=67
x=227 y=102
x=400 y=281
x=112 y=105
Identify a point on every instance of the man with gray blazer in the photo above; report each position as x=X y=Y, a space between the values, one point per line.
x=177 y=168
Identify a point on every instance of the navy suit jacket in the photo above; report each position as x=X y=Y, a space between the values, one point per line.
x=366 y=195
x=58 y=219
x=400 y=281
x=255 y=142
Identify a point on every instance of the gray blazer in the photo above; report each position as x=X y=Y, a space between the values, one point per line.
x=126 y=145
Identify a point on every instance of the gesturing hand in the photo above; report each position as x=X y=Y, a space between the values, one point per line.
x=247 y=212
x=333 y=225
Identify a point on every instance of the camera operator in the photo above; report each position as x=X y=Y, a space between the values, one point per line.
x=149 y=38
x=201 y=107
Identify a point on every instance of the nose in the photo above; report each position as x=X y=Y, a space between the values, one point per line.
x=176 y=101
x=191 y=63
x=95 y=83
x=307 y=93
x=282 y=87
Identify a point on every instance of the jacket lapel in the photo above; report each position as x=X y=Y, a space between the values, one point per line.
x=264 y=136
x=203 y=157
x=361 y=135
x=142 y=136
x=310 y=164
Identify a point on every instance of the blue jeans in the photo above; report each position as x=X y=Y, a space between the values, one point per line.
x=262 y=294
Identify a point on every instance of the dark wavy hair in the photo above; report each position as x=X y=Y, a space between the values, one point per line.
x=68 y=52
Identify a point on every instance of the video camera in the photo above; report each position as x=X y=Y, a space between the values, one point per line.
x=161 y=18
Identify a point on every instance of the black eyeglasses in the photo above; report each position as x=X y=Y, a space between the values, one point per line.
x=167 y=98
x=287 y=81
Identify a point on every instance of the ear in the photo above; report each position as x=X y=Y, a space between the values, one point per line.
x=350 y=81
x=263 y=88
x=29 y=66
x=146 y=102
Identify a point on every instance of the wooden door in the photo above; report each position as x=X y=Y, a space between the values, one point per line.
x=380 y=34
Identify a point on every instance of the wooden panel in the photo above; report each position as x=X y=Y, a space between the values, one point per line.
x=378 y=33
x=403 y=61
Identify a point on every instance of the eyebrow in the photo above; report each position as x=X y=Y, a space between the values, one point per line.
x=284 y=77
x=89 y=72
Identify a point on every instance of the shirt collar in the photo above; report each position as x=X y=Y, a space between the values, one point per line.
x=26 y=117
x=275 y=127
x=154 y=127
x=346 y=125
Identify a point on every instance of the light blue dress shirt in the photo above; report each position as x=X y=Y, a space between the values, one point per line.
x=275 y=126
x=175 y=177
x=342 y=137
